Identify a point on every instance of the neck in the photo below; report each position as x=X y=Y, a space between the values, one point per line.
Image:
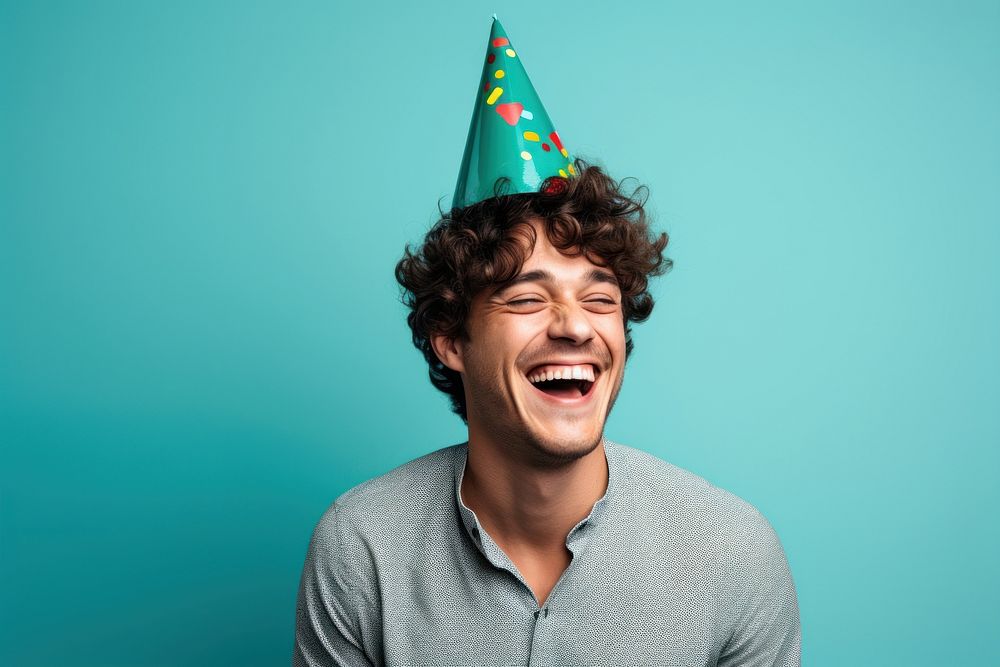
x=527 y=505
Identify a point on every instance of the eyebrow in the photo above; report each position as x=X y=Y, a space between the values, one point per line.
x=543 y=276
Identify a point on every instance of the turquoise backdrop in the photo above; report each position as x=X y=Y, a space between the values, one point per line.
x=201 y=342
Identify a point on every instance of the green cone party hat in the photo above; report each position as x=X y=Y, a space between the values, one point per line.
x=510 y=134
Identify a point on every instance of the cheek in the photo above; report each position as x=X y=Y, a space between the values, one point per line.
x=495 y=352
x=518 y=334
x=613 y=332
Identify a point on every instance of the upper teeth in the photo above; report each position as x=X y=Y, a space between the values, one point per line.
x=553 y=372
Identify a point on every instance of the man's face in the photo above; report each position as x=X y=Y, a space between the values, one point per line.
x=560 y=318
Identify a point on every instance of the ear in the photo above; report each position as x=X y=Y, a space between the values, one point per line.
x=449 y=351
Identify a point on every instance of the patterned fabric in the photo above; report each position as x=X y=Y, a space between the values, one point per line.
x=667 y=570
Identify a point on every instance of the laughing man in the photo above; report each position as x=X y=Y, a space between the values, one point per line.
x=538 y=541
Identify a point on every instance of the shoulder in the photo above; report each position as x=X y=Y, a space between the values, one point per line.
x=683 y=497
x=394 y=500
x=726 y=545
x=680 y=511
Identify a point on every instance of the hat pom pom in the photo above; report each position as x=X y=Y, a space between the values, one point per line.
x=554 y=185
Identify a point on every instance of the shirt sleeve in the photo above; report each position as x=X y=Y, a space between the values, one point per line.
x=328 y=615
x=766 y=629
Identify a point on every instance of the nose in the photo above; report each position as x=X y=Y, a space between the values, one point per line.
x=570 y=322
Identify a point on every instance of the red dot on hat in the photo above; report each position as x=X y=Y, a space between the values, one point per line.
x=554 y=185
x=490 y=58
x=546 y=148
x=510 y=112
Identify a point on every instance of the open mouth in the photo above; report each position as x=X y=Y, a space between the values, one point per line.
x=565 y=384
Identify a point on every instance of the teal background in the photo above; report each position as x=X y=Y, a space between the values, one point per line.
x=201 y=343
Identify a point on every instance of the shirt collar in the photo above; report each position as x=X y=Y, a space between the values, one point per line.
x=577 y=537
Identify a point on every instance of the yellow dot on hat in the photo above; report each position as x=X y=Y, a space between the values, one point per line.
x=571 y=169
x=510 y=52
x=562 y=173
x=526 y=155
x=531 y=136
x=499 y=74
x=495 y=95
x=564 y=152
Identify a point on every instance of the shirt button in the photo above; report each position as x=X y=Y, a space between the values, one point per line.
x=536 y=612
x=546 y=612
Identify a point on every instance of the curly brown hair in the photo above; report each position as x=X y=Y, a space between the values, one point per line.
x=480 y=245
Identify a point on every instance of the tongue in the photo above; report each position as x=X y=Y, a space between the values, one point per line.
x=561 y=388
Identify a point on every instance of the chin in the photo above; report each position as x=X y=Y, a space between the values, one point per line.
x=557 y=449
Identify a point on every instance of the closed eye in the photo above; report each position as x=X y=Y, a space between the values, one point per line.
x=520 y=301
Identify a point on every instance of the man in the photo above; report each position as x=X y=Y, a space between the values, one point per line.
x=538 y=542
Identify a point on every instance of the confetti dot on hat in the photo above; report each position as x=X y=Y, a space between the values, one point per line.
x=495 y=95
x=510 y=112
x=562 y=173
x=527 y=115
x=555 y=139
x=545 y=147
x=531 y=136
x=499 y=74
x=486 y=86
x=526 y=155
x=510 y=52
x=490 y=58
x=571 y=169
x=500 y=41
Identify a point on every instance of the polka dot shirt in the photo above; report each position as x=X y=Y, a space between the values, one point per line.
x=666 y=570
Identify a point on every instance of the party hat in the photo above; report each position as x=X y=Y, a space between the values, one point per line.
x=510 y=135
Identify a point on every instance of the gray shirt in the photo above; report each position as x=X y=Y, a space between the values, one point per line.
x=666 y=570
